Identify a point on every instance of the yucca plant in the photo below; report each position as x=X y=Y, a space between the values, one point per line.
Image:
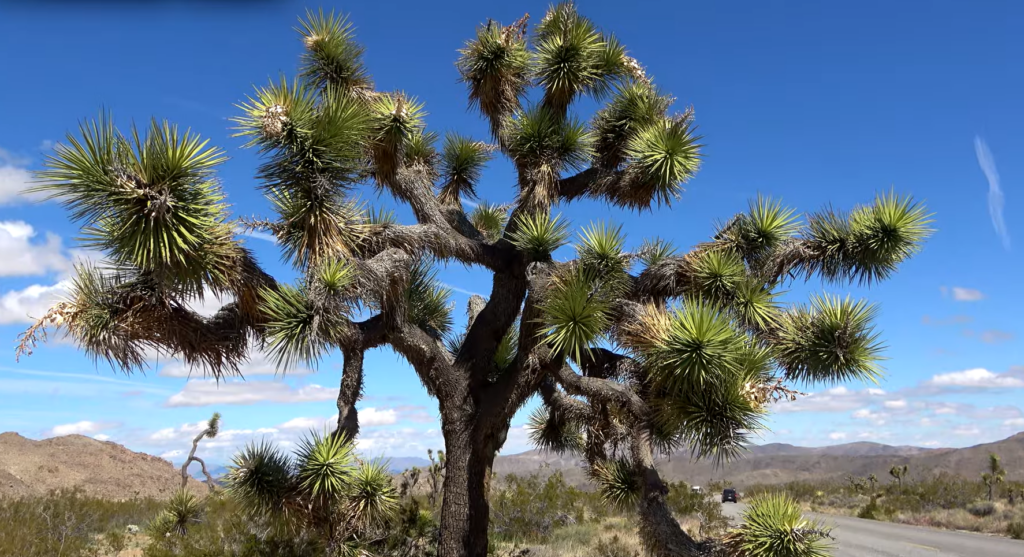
x=632 y=350
x=323 y=487
x=773 y=526
x=209 y=432
x=183 y=511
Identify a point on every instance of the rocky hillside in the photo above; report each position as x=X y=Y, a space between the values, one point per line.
x=100 y=468
x=779 y=463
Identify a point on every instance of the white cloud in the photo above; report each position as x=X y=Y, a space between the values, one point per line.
x=101 y=437
x=837 y=435
x=966 y=431
x=995 y=193
x=930 y=444
x=877 y=418
x=259 y=363
x=204 y=392
x=30 y=303
x=14 y=179
x=977 y=378
x=370 y=417
x=1015 y=422
x=83 y=427
x=895 y=404
x=961 y=294
x=304 y=423
x=172 y=454
x=836 y=399
x=22 y=255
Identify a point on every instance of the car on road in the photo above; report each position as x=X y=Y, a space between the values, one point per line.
x=729 y=496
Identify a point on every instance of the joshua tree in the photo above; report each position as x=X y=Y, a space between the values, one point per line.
x=898 y=473
x=872 y=479
x=435 y=477
x=212 y=428
x=632 y=350
x=995 y=474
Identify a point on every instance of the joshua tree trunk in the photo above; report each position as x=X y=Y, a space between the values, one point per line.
x=212 y=428
x=464 y=510
x=350 y=392
x=660 y=533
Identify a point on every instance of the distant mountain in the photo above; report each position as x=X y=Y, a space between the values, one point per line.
x=779 y=463
x=398 y=464
x=101 y=468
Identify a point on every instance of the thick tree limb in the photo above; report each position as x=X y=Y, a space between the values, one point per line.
x=604 y=390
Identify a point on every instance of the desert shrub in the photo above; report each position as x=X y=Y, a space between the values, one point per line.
x=529 y=508
x=614 y=547
x=684 y=502
x=1015 y=529
x=68 y=523
x=982 y=508
x=871 y=511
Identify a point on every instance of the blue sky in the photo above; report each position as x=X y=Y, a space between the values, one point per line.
x=812 y=102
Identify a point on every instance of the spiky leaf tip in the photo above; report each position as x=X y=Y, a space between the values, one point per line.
x=539 y=234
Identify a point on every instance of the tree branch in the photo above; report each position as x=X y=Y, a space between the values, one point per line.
x=604 y=390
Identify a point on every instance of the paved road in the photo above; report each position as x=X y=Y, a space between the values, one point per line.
x=870 y=538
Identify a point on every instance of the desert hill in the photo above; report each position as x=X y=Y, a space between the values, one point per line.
x=100 y=468
x=106 y=469
x=780 y=463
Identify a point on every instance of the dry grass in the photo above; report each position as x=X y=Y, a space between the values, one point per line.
x=581 y=540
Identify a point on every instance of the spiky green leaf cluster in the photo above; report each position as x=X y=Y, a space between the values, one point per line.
x=574 y=58
x=600 y=250
x=832 y=341
x=490 y=220
x=618 y=483
x=496 y=68
x=576 y=313
x=261 y=478
x=372 y=496
x=213 y=426
x=183 y=511
x=539 y=234
x=297 y=330
x=427 y=300
x=539 y=136
x=870 y=243
x=773 y=525
x=660 y=159
x=332 y=57
x=149 y=200
x=397 y=120
x=324 y=465
x=554 y=432
x=462 y=163
x=635 y=106
x=765 y=227
x=652 y=252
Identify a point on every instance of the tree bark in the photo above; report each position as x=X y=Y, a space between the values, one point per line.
x=660 y=532
x=350 y=392
x=464 y=510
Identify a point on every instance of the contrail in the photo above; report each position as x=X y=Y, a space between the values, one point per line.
x=995 y=193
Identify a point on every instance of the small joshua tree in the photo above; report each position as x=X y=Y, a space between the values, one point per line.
x=898 y=473
x=435 y=477
x=994 y=476
x=211 y=430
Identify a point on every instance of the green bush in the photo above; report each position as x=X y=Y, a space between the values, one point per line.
x=871 y=511
x=982 y=508
x=68 y=523
x=1015 y=529
x=529 y=508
